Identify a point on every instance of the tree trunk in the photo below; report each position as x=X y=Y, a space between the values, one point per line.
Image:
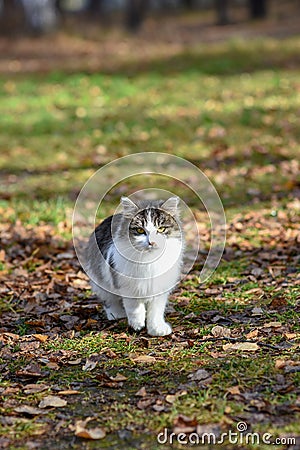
x=188 y=4
x=12 y=17
x=258 y=9
x=135 y=13
x=222 y=12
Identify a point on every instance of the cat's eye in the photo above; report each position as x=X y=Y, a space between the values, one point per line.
x=161 y=229
x=140 y=230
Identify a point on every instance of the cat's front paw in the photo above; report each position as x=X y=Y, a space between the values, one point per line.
x=161 y=329
x=136 y=324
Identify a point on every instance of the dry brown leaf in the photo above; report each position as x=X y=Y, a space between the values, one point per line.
x=143 y=358
x=291 y=335
x=69 y=392
x=2 y=255
x=30 y=410
x=52 y=401
x=4 y=337
x=233 y=390
x=145 y=402
x=252 y=334
x=35 y=388
x=272 y=325
x=53 y=365
x=158 y=408
x=119 y=377
x=257 y=311
x=184 y=424
x=141 y=392
x=217 y=355
x=281 y=363
x=92 y=433
x=278 y=303
x=89 y=365
x=243 y=346
x=219 y=331
x=40 y=337
x=74 y=362
x=32 y=370
x=170 y=398
x=199 y=375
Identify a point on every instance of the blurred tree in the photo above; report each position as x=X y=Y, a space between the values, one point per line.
x=135 y=13
x=189 y=4
x=40 y=15
x=12 y=17
x=258 y=8
x=94 y=6
x=222 y=12
x=37 y=16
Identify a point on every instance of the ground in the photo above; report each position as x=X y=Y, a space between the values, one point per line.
x=70 y=378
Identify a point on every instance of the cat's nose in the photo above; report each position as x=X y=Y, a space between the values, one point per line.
x=152 y=240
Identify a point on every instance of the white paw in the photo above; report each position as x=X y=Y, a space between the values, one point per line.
x=161 y=329
x=136 y=324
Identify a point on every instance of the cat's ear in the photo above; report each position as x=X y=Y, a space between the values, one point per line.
x=129 y=207
x=171 y=206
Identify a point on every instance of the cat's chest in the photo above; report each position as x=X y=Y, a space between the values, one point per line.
x=152 y=264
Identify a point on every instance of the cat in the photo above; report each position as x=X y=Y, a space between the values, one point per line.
x=134 y=259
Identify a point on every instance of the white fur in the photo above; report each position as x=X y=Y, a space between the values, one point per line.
x=145 y=278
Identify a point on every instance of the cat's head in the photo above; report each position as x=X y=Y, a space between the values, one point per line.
x=151 y=223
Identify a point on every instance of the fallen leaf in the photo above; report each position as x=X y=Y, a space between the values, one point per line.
x=141 y=392
x=145 y=402
x=30 y=410
x=257 y=311
x=92 y=433
x=243 y=346
x=5 y=337
x=74 y=362
x=52 y=401
x=278 y=303
x=119 y=377
x=184 y=424
x=89 y=365
x=257 y=272
x=199 y=375
x=217 y=354
x=32 y=370
x=170 y=398
x=219 y=331
x=143 y=358
x=282 y=363
x=158 y=408
x=69 y=392
x=40 y=337
x=2 y=255
x=233 y=390
x=35 y=388
x=108 y=381
x=272 y=325
x=291 y=335
x=252 y=334
x=53 y=366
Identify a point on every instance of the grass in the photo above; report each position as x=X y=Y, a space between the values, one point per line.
x=234 y=114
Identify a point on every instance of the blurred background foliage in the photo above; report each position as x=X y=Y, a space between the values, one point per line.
x=85 y=91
